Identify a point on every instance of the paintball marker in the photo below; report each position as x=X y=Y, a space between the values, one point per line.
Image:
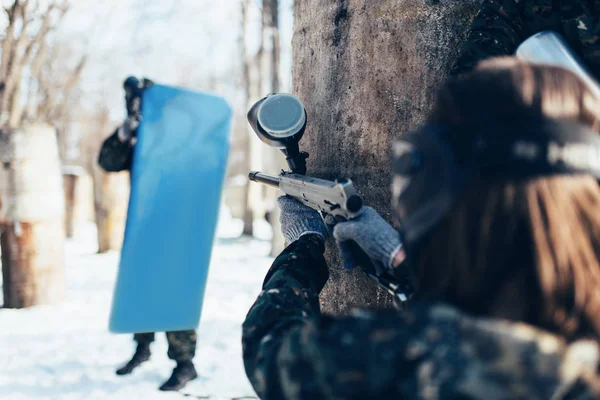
x=279 y=120
x=549 y=47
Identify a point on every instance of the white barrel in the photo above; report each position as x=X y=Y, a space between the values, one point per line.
x=31 y=185
x=549 y=47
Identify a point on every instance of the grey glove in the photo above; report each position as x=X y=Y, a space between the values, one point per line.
x=298 y=220
x=127 y=131
x=373 y=235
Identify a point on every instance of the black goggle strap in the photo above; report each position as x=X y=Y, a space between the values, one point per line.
x=540 y=148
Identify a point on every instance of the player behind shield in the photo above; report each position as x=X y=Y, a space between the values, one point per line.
x=500 y=224
x=502 y=25
x=116 y=155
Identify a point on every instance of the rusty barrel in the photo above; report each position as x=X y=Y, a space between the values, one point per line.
x=32 y=217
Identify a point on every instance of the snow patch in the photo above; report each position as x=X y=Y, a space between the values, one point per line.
x=65 y=351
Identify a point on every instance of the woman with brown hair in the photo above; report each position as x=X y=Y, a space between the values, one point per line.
x=497 y=199
x=525 y=249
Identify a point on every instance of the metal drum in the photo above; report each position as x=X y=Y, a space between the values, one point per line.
x=32 y=217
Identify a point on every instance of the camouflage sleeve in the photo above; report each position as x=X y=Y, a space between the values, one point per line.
x=289 y=297
x=291 y=351
x=431 y=351
x=497 y=30
x=115 y=155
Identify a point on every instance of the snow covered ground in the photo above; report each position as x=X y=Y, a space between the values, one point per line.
x=66 y=352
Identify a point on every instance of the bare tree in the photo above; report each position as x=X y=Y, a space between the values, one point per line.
x=23 y=48
x=270 y=53
x=32 y=234
x=246 y=83
x=271 y=30
x=367 y=74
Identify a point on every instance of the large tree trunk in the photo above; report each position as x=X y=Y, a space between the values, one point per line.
x=72 y=181
x=32 y=212
x=248 y=213
x=111 y=194
x=273 y=158
x=367 y=72
x=70 y=184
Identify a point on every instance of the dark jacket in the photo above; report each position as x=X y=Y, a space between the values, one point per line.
x=433 y=351
x=115 y=155
x=502 y=25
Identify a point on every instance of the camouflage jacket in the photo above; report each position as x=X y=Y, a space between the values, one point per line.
x=502 y=25
x=115 y=155
x=433 y=351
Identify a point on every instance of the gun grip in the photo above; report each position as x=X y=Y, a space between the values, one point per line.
x=361 y=259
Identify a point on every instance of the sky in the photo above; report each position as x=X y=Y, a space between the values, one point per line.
x=180 y=42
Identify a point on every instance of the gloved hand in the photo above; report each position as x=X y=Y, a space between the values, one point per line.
x=298 y=220
x=127 y=131
x=373 y=235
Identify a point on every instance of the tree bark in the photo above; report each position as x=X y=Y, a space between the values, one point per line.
x=70 y=185
x=248 y=213
x=367 y=72
x=273 y=158
x=111 y=194
x=273 y=20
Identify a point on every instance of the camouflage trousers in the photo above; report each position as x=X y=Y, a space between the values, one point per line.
x=182 y=344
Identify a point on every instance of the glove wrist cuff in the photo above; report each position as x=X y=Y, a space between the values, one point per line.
x=320 y=234
x=393 y=256
x=387 y=249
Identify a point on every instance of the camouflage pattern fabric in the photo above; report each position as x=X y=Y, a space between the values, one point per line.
x=433 y=351
x=502 y=25
x=182 y=344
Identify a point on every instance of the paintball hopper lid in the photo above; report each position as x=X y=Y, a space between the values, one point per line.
x=278 y=119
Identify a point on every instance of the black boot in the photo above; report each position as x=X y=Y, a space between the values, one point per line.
x=182 y=374
x=142 y=354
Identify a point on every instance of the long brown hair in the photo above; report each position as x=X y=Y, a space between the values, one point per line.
x=527 y=250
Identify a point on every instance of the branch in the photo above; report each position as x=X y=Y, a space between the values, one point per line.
x=9 y=39
x=41 y=34
x=51 y=109
x=21 y=54
x=35 y=69
x=14 y=65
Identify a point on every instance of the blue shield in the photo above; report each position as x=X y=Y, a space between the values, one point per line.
x=179 y=165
